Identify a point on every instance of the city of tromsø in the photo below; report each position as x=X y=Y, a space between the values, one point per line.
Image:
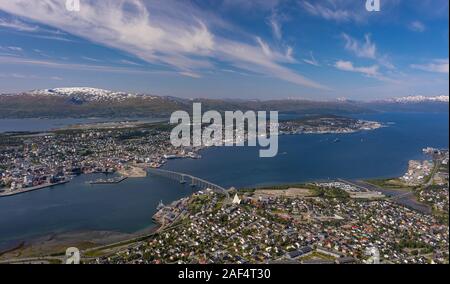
x=324 y=221
x=224 y=132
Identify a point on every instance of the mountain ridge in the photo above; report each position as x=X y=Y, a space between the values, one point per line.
x=89 y=102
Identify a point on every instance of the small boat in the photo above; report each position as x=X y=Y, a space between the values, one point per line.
x=336 y=140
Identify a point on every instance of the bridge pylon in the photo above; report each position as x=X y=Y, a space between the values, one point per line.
x=183 y=179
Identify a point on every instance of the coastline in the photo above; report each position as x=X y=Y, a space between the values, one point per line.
x=108 y=238
x=135 y=171
x=33 y=188
x=53 y=244
x=88 y=241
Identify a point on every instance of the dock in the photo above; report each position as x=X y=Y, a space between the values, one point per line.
x=107 y=181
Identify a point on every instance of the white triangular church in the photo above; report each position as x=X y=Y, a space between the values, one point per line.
x=236 y=200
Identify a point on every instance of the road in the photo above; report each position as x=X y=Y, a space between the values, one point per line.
x=401 y=196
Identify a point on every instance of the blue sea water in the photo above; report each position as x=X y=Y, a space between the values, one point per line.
x=384 y=152
x=129 y=206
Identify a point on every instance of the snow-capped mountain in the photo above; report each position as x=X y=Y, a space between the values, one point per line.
x=419 y=99
x=88 y=94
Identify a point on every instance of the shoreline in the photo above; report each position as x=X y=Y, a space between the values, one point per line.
x=56 y=243
x=30 y=189
x=136 y=171
x=140 y=233
x=88 y=240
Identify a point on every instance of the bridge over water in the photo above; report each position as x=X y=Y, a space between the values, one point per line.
x=192 y=180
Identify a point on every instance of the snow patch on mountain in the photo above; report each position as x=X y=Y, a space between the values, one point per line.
x=419 y=99
x=89 y=94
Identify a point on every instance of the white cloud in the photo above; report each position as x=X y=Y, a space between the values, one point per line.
x=17 y=25
x=26 y=76
x=73 y=66
x=275 y=24
x=129 y=62
x=190 y=74
x=417 y=26
x=250 y=58
x=329 y=11
x=11 y=48
x=264 y=47
x=348 y=66
x=276 y=28
x=170 y=33
x=311 y=60
x=436 y=66
x=90 y=59
x=368 y=71
x=365 y=49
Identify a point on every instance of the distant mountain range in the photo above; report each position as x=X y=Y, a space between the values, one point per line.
x=92 y=102
x=89 y=94
x=418 y=99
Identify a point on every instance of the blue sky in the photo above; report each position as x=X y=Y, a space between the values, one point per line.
x=315 y=49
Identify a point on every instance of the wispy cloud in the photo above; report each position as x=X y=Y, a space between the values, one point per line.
x=32 y=30
x=75 y=66
x=368 y=71
x=275 y=23
x=11 y=48
x=311 y=60
x=436 y=66
x=190 y=74
x=129 y=62
x=26 y=76
x=170 y=33
x=348 y=66
x=364 y=49
x=329 y=10
x=17 y=25
x=349 y=11
x=90 y=59
x=417 y=26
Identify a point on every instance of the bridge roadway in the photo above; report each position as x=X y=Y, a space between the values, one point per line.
x=194 y=181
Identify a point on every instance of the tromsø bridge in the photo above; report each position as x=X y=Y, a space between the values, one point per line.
x=193 y=181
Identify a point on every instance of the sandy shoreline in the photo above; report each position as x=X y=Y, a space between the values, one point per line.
x=51 y=244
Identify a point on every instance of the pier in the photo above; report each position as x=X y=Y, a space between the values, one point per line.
x=193 y=181
x=107 y=181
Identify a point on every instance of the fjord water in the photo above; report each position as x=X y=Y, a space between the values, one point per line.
x=384 y=152
x=79 y=207
x=129 y=206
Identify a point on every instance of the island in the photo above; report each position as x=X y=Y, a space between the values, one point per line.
x=31 y=161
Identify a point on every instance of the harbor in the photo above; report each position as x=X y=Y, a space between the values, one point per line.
x=114 y=180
